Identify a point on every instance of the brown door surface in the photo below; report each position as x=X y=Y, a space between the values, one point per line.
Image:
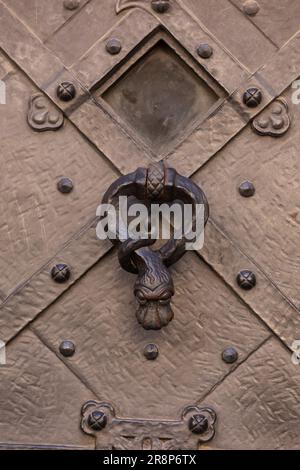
x=91 y=90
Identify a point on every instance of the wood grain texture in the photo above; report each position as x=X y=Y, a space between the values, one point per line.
x=98 y=314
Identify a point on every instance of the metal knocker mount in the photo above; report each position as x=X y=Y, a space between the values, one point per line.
x=154 y=287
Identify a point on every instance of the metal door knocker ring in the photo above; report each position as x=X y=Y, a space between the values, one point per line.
x=154 y=287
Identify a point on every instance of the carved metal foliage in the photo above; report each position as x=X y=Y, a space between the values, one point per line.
x=139 y=434
x=154 y=286
x=274 y=120
x=43 y=115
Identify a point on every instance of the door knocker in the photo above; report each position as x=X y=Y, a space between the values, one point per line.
x=153 y=289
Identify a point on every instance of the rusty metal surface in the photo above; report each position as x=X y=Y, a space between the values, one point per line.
x=67 y=311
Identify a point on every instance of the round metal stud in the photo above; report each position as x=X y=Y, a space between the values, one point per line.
x=247 y=189
x=251 y=7
x=66 y=91
x=198 y=424
x=230 y=355
x=151 y=352
x=71 y=4
x=60 y=273
x=113 y=46
x=67 y=348
x=160 y=6
x=205 y=51
x=97 y=420
x=246 y=279
x=65 y=185
x=252 y=97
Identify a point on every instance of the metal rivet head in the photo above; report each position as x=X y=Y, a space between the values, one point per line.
x=66 y=91
x=247 y=189
x=160 y=6
x=151 y=352
x=113 y=46
x=67 y=348
x=230 y=355
x=205 y=51
x=60 y=273
x=65 y=185
x=97 y=420
x=251 y=7
x=198 y=424
x=71 y=4
x=246 y=279
x=252 y=97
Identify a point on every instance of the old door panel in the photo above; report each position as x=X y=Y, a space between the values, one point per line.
x=39 y=398
x=234 y=31
x=266 y=225
x=279 y=21
x=93 y=138
x=93 y=21
x=98 y=314
x=266 y=300
x=37 y=219
x=258 y=406
x=45 y=17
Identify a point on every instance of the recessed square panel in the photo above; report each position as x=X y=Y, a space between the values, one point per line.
x=160 y=97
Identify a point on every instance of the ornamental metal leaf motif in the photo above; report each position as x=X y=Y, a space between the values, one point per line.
x=274 y=120
x=43 y=115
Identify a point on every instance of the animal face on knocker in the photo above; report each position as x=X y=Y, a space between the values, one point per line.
x=153 y=290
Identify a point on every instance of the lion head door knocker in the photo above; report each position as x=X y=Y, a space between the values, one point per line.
x=153 y=289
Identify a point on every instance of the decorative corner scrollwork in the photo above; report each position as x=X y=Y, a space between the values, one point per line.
x=195 y=426
x=43 y=115
x=274 y=120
